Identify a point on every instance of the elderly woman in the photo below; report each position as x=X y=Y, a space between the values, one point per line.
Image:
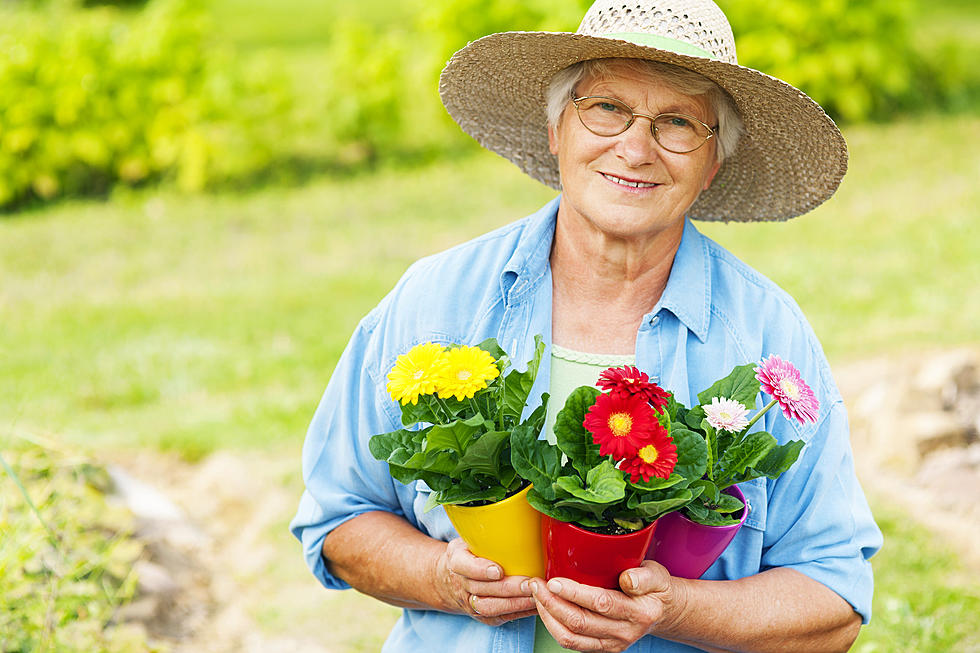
x=644 y=120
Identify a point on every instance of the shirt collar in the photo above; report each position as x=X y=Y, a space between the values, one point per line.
x=687 y=294
x=688 y=291
x=529 y=262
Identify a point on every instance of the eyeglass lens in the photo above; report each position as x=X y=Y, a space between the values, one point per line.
x=609 y=117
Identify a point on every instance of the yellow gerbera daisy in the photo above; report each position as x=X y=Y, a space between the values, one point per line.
x=415 y=373
x=465 y=370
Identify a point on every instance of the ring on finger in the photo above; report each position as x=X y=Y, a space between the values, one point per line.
x=473 y=604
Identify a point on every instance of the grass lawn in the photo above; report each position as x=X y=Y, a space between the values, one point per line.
x=204 y=322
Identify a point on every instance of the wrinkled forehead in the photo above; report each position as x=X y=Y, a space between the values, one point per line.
x=648 y=87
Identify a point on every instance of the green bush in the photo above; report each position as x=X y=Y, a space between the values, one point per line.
x=59 y=589
x=857 y=58
x=97 y=97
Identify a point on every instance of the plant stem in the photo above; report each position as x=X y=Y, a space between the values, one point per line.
x=445 y=408
x=476 y=407
x=756 y=417
x=27 y=498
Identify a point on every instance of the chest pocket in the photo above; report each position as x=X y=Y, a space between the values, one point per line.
x=757 y=497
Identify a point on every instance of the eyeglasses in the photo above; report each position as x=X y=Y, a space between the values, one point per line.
x=675 y=132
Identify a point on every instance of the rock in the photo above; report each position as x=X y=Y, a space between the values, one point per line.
x=153 y=578
x=937 y=430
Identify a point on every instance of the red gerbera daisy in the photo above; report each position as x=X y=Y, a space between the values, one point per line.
x=620 y=426
x=656 y=458
x=627 y=381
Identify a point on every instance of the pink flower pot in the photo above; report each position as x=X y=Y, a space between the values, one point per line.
x=687 y=548
x=591 y=558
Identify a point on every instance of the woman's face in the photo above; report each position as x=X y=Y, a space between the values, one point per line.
x=593 y=168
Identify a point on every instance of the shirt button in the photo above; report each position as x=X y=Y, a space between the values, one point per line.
x=655 y=320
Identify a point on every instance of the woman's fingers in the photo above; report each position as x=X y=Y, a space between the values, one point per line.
x=588 y=618
x=481 y=590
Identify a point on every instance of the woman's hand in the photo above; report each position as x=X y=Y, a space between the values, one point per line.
x=477 y=587
x=586 y=618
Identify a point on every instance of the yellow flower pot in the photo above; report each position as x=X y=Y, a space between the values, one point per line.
x=507 y=532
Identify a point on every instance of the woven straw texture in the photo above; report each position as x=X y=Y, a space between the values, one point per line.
x=791 y=156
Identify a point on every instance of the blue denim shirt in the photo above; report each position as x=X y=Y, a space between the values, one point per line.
x=715 y=313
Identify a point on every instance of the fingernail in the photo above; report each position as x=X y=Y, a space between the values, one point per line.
x=524 y=586
x=554 y=586
x=632 y=580
x=494 y=573
x=534 y=587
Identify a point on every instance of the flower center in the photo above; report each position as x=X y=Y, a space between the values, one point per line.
x=418 y=374
x=620 y=424
x=463 y=375
x=790 y=389
x=725 y=415
x=649 y=454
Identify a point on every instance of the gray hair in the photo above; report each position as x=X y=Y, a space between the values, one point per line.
x=684 y=81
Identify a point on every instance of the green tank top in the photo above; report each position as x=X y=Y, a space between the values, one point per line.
x=569 y=370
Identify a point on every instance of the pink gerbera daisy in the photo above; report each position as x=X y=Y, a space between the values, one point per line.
x=620 y=426
x=783 y=382
x=627 y=381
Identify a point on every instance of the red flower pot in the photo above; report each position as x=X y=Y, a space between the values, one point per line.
x=591 y=558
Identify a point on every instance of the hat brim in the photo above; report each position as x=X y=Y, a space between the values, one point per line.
x=791 y=156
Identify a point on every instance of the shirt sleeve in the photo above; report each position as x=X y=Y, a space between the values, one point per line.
x=341 y=476
x=818 y=520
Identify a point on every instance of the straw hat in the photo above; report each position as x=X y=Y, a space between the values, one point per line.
x=791 y=156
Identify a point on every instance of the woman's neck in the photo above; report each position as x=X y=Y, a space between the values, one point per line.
x=603 y=287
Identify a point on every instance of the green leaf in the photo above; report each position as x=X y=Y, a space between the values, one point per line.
x=517 y=385
x=420 y=412
x=652 y=508
x=548 y=507
x=535 y=460
x=456 y=436
x=779 y=459
x=741 y=385
x=383 y=445
x=657 y=483
x=727 y=504
x=629 y=523
x=469 y=491
x=573 y=440
x=708 y=491
x=485 y=455
x=694 y=417
x=710 y=517
x=743 y=455
x=692 y=453
x=604 y=484
x=491 y=346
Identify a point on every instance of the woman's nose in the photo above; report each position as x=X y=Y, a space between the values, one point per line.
x=637 y=146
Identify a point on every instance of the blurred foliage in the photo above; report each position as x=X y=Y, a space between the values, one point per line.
x=102 y=96
x=857 y=58
x=96 y=97
x=59 y=589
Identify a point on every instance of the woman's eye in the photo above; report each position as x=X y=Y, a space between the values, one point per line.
x=608 y=106
x=677 y=121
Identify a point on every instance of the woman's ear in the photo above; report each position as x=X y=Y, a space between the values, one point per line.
x=552 y=140
x=711 y=175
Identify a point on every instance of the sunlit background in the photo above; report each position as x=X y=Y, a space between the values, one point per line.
x=199 y=200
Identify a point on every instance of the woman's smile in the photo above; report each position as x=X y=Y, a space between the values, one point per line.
x=629 y=183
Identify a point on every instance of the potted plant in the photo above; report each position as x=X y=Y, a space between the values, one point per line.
x=688 y=541
x=616 y=466
x=460 y=406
